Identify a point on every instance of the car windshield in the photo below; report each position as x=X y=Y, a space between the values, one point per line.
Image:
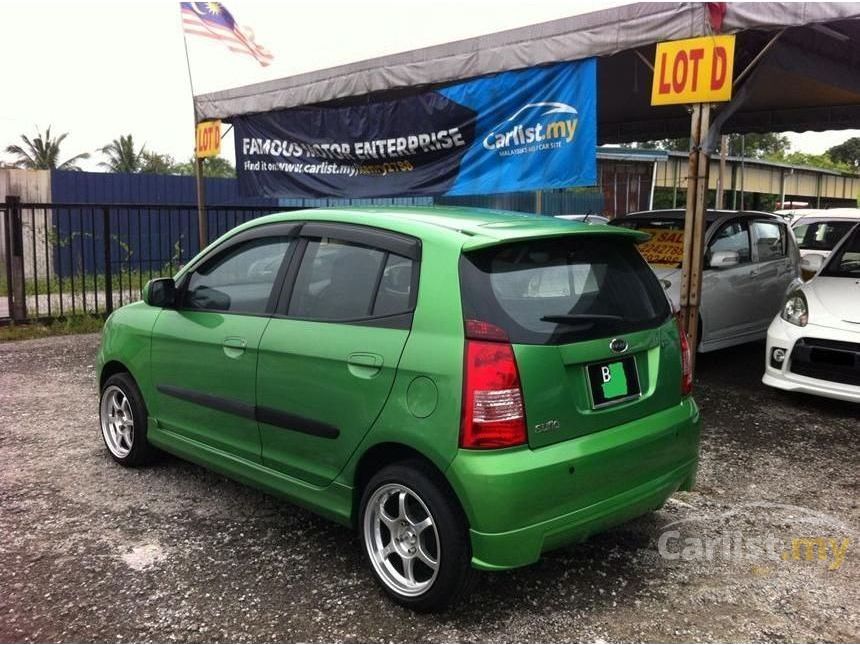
x=562 y=290
x=665 y=247
x=821 y=235
x=845 y=263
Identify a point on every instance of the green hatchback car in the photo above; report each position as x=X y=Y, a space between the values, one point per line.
x=466 y=388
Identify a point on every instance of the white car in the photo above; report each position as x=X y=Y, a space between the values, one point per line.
x=813 y=344
x=589 y=218
x=817 y=232
x=751 y=263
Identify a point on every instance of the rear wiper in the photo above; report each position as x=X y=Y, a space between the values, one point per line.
x=573 y=318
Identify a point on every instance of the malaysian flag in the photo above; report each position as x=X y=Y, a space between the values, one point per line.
x=212 y=20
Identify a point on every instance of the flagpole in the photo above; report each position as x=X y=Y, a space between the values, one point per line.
x=202 y=222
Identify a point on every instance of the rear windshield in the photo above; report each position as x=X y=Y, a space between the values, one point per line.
x=821 y=235
x=665 y=247
x=562 y=290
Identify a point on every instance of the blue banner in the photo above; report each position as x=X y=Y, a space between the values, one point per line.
x=522 y=130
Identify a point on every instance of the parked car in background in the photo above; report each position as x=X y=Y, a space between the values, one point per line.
x=817 y=232
x=792 y=214
x=466 y=388
x=589 y=218
x=813 y=344
x=751 y=261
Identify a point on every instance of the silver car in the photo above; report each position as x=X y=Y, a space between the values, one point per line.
x=751 y=263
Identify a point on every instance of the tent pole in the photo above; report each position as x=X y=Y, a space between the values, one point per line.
x=721 y=184
x=694 y=226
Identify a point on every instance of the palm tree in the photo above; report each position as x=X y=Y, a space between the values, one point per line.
x=42 y=153
x=122 y=155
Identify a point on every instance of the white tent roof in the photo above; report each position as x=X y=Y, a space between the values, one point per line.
x=809 y=80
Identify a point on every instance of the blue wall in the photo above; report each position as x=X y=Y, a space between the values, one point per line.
x=142 y=239
x=150 y=239
x=113 y=188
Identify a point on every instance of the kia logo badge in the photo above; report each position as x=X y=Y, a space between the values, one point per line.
x=618 y=345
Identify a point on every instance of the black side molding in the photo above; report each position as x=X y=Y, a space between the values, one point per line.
x=294 y=422
x=230 y=406
x=269 y=416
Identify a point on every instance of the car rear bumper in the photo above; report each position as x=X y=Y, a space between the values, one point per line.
x=522 y=502
x=810 y=365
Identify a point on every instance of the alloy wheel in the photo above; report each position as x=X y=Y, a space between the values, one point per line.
x=117 y=421
x=401 y=539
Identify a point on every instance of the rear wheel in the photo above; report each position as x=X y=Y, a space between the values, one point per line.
x=415 y=537
x=123 y=418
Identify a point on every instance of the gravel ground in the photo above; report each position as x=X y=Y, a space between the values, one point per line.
x=94 y=552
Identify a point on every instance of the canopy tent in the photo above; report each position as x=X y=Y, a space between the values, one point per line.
x=806 y=74
x=796 y=67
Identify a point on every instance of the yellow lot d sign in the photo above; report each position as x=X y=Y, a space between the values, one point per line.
x=209 y=139
x=696 y=70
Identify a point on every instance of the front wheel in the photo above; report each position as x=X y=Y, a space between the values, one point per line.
x=415 y=537
x=123 y=419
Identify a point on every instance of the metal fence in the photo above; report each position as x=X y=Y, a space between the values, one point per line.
x=61 y=260
x=66 y=259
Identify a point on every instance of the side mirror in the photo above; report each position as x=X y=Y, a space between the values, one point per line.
x=160 y=292
x=724 y=259
x=811 y=263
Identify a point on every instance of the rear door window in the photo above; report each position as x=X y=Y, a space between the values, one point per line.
x=562 y=290
x=769 y=239
x=343 y=281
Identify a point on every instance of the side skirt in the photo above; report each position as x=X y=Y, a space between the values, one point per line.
x=333 y=502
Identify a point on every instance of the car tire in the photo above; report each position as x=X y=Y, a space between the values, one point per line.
x=415 y=537
x=123 y=421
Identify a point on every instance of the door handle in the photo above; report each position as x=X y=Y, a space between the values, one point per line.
x=364 y=364
x=234 y=346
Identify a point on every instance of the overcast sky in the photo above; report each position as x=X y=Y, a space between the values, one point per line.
x=101 y=69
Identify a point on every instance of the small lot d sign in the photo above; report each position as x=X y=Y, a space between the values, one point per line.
x=696 y=70
x=209 y=139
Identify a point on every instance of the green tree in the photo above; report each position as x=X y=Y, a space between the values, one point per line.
x=798 y=158
x=212 y=167
x=755 y=146
x=122 y=156
x=758 y=146
x=42 y=152
x=156 y=163
x=847 y=152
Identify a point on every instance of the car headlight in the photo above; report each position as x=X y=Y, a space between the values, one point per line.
x=795 y=310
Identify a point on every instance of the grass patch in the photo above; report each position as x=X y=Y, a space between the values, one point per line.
x=60 y=327
x=127 y=280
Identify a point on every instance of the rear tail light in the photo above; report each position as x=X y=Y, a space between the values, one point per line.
x=493 y=414
x=686 y=362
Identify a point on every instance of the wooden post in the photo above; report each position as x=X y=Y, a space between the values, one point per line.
x=15 y=259
x=202 y=222
x=694 y=226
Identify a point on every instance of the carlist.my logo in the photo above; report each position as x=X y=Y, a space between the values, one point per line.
x=535 y=126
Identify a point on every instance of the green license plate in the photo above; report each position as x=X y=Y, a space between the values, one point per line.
x=613 y=381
